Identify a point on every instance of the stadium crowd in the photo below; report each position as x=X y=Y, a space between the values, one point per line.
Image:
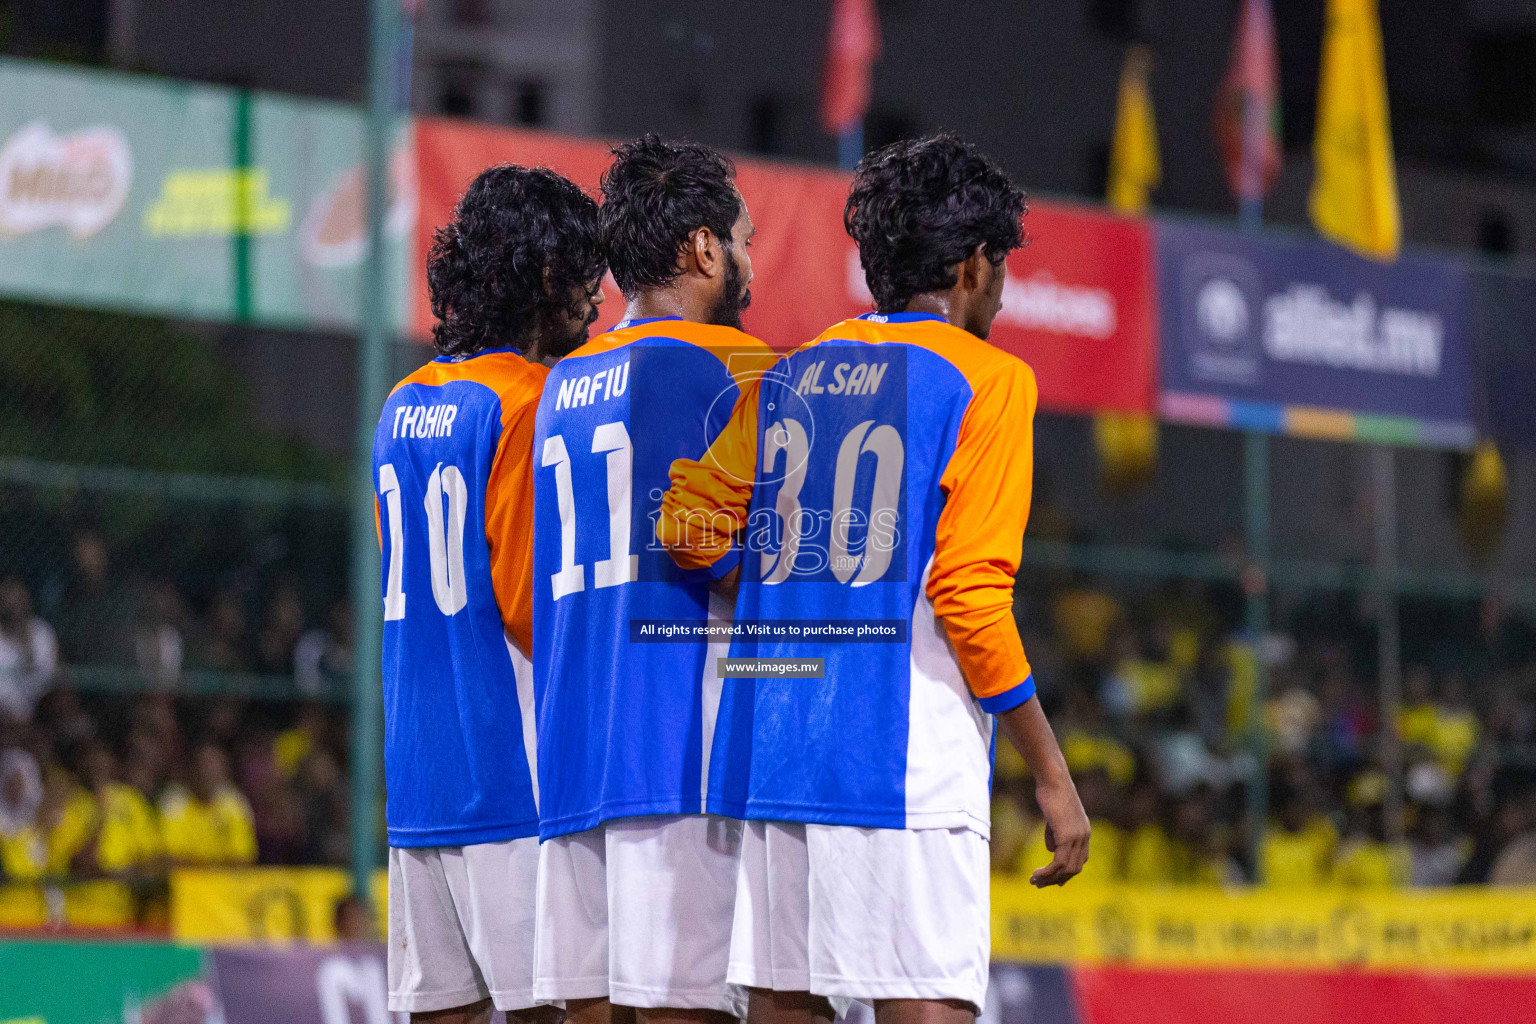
x=1151 y=689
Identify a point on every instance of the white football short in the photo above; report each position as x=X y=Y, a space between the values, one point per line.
x=461 y=925
x=863 y=913
x=639 y=910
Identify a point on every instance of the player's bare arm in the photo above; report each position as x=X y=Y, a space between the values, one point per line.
x=1066 y=823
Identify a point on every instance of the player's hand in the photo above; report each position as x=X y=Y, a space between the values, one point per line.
x=1066 y=833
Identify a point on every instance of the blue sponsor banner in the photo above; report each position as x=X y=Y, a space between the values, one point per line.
x=1293 y=335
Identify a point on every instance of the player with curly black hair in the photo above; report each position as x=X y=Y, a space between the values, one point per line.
x=929 y=215
x=636 y=885
x=864 y=860
x=513 y=278
x=518 y=265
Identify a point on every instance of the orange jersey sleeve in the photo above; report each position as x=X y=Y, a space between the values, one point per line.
x=980 y=532
x=707 y=505
x=509 y=511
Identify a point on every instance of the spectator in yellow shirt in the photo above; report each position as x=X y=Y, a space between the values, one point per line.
x=1199 y=849
x=294 y=744
x=1456 y=730
x=43 y=850
x=61 y=829
x=1084 y=617
x=208 y=823
x=1147 y=851
x=125 y=846
x=21 y=795
x=1298 y=846
x=1416 y=716
x=1144 y=680
x=1366 y=860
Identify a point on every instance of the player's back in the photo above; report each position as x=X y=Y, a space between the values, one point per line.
x=451 y=462
x=856 y=517
x=625 y=724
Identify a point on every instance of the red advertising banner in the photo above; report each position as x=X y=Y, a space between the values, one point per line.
x=1129 y=995
x=1078 y=304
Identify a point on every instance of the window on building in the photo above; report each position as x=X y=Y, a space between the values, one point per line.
x=528 y=103
x=1503 y=66
x=1495 y=233
x=458 y=86
x=1114 y=19
x=470 y=12
x=884 y=126
x=765 y=125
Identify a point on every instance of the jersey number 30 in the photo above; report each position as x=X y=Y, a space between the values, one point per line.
x=445 y=539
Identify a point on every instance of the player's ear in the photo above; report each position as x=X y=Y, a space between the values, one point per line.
x=705 y=252
x=973 y=270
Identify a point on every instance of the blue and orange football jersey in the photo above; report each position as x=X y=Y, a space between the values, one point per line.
x=880 y=475
x=454 y=485
x=625 y=728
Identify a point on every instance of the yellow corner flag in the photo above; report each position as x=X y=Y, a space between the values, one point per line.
x=1354 y=188
x=1134 y=167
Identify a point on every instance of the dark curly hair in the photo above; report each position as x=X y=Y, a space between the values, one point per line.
x=920 y=206
x=655 y=195
x=486 y=272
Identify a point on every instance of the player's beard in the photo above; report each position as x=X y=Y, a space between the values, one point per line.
x=734 y=297
x=575 y=334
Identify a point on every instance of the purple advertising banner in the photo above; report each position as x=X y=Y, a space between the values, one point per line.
x=302 y=985
x=1293 y=335
x=346 y=985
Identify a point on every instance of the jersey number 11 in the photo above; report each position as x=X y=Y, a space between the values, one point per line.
x=620 y=566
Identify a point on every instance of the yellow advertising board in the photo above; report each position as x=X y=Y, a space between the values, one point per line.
x=1449 y=929
x=1464 y=929
x=269 y=905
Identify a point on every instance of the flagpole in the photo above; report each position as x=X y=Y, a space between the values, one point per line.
x=850 y=145
x=1250 y=210
x=1256 y=519
x=367 y=718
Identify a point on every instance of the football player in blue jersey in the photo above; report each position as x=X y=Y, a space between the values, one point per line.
x=513 y=281
x=866 y=791
x=636 y=884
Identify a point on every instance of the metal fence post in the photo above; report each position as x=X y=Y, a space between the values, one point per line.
x=367 y=605
x=1256 y=586
x=1389 y=660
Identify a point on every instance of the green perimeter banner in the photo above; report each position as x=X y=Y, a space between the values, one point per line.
x=101 y=983
x=187 y=200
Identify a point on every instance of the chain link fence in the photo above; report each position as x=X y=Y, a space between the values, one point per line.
x=173 y=508
x=172 y=499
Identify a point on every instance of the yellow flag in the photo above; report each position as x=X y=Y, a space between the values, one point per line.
x=1134 y=168
x=1128 y=441
x=1354 y=190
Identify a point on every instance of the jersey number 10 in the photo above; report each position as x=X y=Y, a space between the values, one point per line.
x=445 y=539
x=620 y=566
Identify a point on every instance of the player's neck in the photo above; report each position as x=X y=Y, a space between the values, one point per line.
x=943 y=304
x=950 y=304
x=673 y=301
